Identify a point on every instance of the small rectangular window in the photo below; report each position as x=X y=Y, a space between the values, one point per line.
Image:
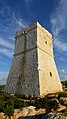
x=50 y=74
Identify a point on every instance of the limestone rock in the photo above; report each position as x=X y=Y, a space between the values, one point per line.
x=45 y=116
x=2 y=115
x=54 y=116
x=61 y=107
x=26 y=111
x=63 y=100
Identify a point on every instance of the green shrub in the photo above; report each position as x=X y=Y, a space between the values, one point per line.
x=2 y=87
x=5 y=97
x=40 y=103
x=46 y=103
x=51 y=104
x=37 y=104
x=18 y=103
x=1 y=106
x=62 y=94
x=7 y=106
x=9 y=110
x=20 y=96
x=9 y=102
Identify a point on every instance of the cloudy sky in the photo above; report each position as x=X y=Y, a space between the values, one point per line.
x=16 y=14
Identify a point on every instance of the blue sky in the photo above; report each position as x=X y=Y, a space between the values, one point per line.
x=16 y=14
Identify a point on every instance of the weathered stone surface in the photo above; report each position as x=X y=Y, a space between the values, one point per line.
x=31 y=113
x=33 y=70
x=45 y=116
x=2 y=115
x=27 y=111
x=61 y=107
x=63 y=100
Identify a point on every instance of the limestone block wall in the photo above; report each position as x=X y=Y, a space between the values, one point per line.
x=33 y=70
x=44 y=40
x=23 y=76
x=49 y=80
x=24 y=81
x=31 y=38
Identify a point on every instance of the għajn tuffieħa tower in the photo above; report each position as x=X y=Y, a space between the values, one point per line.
x=33 y=70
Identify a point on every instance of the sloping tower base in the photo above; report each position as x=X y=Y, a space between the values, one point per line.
x=33 y=70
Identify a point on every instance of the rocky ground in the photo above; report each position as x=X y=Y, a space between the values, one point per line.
x=32 y=112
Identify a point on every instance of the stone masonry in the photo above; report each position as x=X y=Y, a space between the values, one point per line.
x=33 y=70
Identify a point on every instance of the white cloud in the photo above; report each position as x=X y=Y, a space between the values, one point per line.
x=3 y=63
x=63 y=74
x=60 y=45
x=20 y=23
x=3 y=73
x=63 y=59
x=11 y=38
x=6 y=44
x=3 y=77
x=63 y=71
x=6 y=52
x=8 y=28
x=59 y=24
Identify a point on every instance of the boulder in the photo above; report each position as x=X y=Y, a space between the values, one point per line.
x=2 y=115
x=61 y=107
x=26 y=111
x=63 y=100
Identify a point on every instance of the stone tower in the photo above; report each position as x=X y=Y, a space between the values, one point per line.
x=33 y=70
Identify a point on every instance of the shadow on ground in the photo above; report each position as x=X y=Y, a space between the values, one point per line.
x=41 y=116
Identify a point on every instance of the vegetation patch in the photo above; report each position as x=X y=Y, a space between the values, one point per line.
x=62 y=94
x=10 y=102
